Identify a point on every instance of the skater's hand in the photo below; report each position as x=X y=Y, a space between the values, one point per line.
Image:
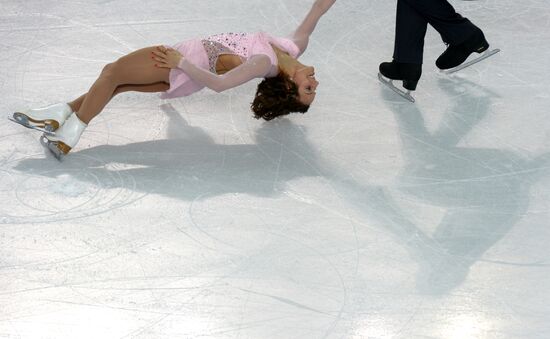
x=166 y=57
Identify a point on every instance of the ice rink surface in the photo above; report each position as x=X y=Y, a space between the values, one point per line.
x=368 y=217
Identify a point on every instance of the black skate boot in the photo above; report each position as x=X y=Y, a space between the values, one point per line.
x=455 y=55
x=409 y=73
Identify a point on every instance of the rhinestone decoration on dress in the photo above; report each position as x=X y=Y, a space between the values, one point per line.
x=225 y=43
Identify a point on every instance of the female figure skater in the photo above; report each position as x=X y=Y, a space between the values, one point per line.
x=219 y=62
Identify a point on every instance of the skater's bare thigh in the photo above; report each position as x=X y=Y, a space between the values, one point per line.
x=156 y=87
x=137 y=68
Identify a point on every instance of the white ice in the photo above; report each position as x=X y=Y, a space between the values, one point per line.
x=368 y=217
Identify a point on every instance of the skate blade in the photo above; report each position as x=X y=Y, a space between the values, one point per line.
x=45 y=126
x=482 y=57
x=57 y=148
x=389 y=83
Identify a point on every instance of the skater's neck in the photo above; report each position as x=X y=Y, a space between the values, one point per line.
x=287 y=64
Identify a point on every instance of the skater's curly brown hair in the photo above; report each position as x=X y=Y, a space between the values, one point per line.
x=275 y=97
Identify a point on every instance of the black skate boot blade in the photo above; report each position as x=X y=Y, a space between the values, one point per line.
x=22 y=120
x=389 y=83
x=485 y=55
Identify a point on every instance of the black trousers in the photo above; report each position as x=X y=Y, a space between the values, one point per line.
x=412 y=19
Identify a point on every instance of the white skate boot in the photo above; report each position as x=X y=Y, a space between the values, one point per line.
x=65 y=138
x=46 y=119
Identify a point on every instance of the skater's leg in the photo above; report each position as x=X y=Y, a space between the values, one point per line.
x=137 y=68
x=76 y=103
x=410 y=30
x=440 y=14
x=462 y=36
x=149 y=88
x=49 y=119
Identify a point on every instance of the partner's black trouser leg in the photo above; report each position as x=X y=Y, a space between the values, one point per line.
x=412 y=19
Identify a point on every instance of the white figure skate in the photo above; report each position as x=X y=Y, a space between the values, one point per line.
x=46 y=119
x=65 y=138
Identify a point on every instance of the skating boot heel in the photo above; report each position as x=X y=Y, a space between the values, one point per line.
x=65 y=137
x=46 y=119
x=484 y=46
x=407 y=72
x=410 y=84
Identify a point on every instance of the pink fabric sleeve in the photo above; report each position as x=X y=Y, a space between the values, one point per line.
x=290 y=46
x=257 y=66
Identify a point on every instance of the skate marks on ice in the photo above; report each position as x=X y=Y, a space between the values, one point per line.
x=43 y=190
x=190 y=166
x=485 y=192
x=186 y=165
x=50 y=192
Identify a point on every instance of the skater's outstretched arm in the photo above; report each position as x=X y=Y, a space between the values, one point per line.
x=306 y=28
x=257 y=66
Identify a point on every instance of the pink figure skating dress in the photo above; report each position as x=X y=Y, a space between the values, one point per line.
x=204 y=53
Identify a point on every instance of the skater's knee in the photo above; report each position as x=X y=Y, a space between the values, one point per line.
x=111 y=72
x=109 y=68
